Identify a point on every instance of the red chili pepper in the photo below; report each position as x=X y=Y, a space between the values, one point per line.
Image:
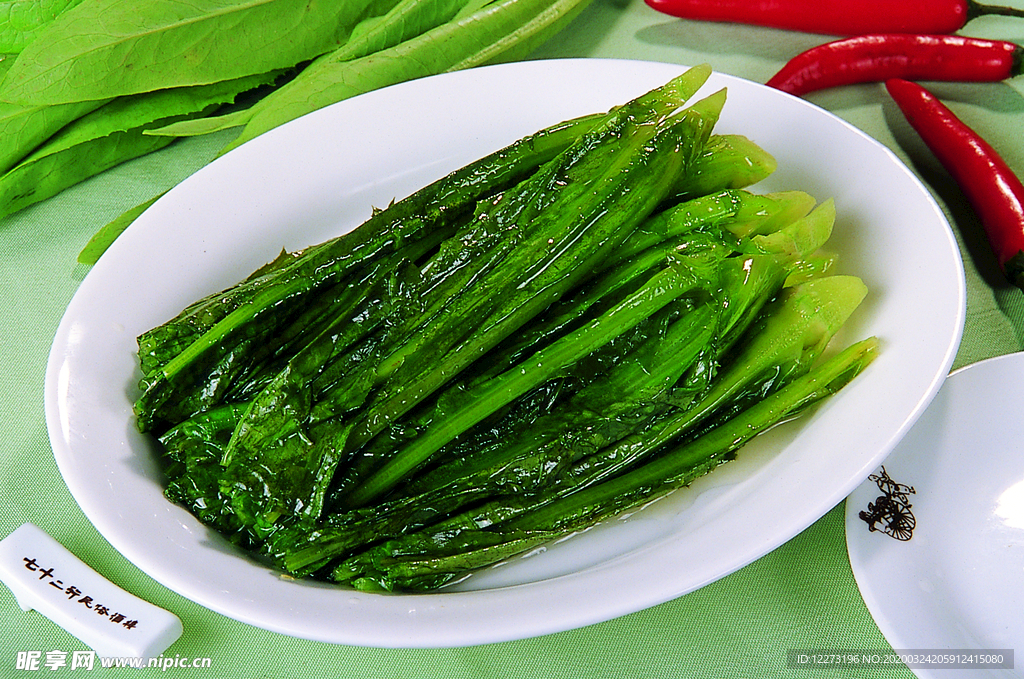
x=877 y=58
x=992 y=188
x=838 y=17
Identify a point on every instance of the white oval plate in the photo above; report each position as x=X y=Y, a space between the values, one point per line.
x=318 y=176
x=958 y=583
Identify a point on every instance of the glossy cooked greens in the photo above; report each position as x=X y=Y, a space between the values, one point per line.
x=573 y=325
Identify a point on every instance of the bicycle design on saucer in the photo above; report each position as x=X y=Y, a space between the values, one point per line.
x=890 y=512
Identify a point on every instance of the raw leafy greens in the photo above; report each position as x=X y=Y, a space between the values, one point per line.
x=68 y=59
x=565 y=329
x=21 y=20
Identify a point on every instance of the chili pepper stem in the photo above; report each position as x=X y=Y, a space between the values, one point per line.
x=1014 y=269
x=977 y=9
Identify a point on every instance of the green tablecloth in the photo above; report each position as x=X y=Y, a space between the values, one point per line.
x=801 y=596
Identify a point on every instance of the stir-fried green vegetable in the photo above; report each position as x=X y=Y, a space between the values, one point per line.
x=568 y=327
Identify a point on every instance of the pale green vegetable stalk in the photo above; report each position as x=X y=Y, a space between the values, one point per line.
x=500 y=31
x=406 y=20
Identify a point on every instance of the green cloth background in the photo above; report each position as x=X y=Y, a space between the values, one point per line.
x=801 y=596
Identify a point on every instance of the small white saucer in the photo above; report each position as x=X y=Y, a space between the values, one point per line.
x=957 y=583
